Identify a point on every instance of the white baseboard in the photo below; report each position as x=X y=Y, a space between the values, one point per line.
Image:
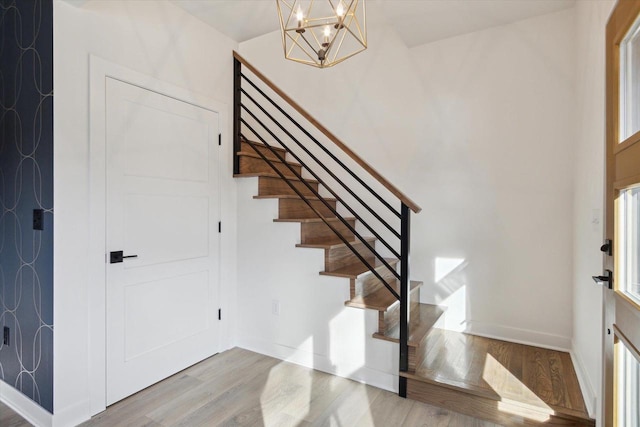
x=520 y=336
x=384 y=380
x=73 y=415
x=588 y=391
x=25 y=407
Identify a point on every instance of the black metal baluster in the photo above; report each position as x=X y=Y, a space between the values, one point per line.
x=404 y=296
x=237 y=144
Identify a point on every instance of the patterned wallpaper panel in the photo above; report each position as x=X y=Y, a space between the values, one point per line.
x=26 y=183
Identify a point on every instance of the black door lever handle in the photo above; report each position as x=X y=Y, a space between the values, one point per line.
x=608 y=279
x=118 y=256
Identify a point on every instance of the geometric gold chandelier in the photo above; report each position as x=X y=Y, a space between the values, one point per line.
x=322 y=33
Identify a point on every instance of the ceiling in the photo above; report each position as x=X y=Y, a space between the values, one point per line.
x=416 y=21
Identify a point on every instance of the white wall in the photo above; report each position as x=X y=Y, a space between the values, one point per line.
x=589 y=194
x=478 y=130
x=159 y=40
x=496 y=160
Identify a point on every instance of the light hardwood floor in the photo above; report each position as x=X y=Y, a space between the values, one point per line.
x=242 y=388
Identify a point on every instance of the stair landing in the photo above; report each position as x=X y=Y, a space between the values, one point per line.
x=507 y=383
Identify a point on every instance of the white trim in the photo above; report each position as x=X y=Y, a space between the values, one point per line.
x=365 y=375
x=520 y=336
x=588 y=391
x=25 y=407
x=99 y=70
x=72 y=415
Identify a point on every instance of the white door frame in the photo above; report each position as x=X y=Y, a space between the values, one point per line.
x=99 y=70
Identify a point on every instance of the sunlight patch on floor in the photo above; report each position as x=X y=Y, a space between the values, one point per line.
x=510 y=388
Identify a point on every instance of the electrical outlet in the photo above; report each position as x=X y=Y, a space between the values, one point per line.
x=275 y=307
x=38 y=219
x=6 y=336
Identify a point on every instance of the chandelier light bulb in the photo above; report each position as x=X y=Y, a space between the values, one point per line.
x=340 y=10
x=300 y=18
x=327 y=35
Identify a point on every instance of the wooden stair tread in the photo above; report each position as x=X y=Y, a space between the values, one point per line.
x=355 y=270
x=495 y=370
x=380 y=299
x=423 y=317
x=334 y=219
x=257 y=156
x=369 y=240
x=293 y=197
x=262 y=145
x=272 y=175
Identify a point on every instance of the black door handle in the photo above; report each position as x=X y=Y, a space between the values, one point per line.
x=608 y=279
x=118 y=256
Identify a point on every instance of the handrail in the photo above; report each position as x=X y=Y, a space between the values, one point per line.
x=375 y=174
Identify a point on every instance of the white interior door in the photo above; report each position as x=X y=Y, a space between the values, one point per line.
x=163 y=208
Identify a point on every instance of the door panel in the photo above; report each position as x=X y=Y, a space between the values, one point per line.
x=180 y=240
x=162 y=207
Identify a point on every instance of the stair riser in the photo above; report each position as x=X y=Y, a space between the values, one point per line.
x=336 y=258
x=320 y=233
x=268 y=186
x=248 y=148
x=298 y=208
x=253 y=165
x=369 y=283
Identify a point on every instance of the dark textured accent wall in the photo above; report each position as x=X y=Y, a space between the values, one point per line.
x=26 y=183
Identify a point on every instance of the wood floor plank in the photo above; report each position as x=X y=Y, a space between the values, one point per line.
x=571 y=380
x=559 y=392
x=475 y=373
x=323 y=390
x=349 y=407
x=536 y=373
x=423 y=415
x=388 y=409
x=9 y=418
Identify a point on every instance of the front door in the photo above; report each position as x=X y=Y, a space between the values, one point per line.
x=162 y=236
x=621 y=394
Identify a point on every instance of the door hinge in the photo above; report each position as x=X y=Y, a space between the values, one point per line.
x=219 y=314
x=219 y=226
x=219 y=139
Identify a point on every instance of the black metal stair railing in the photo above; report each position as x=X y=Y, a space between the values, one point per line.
x=248 y=126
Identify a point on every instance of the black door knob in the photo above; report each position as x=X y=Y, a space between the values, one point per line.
x=607 y=247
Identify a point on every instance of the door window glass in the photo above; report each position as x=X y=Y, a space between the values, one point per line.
x=629 y=388
x=630 y=83
x=630 y=238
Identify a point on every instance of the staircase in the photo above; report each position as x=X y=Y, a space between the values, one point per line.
x=360 y=245
x=340 y=260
